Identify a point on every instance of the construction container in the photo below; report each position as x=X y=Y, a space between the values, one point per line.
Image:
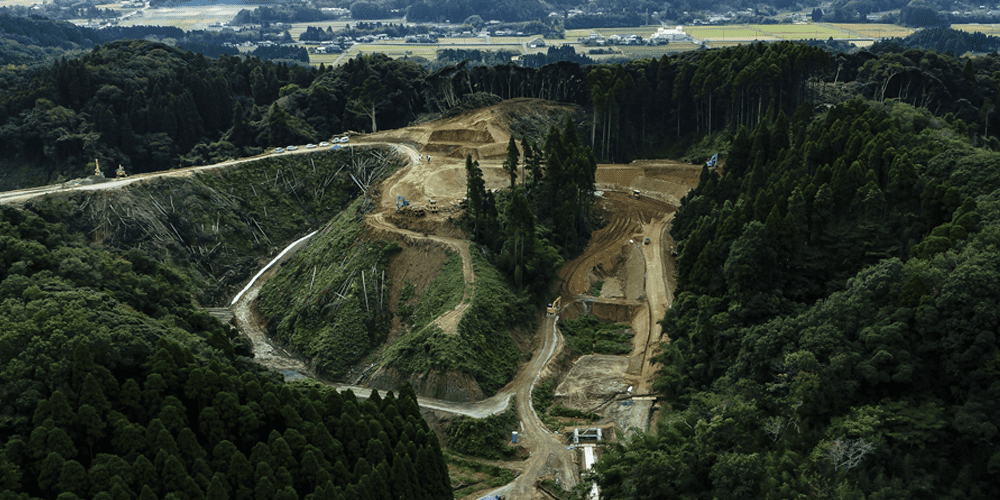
x=513 y=437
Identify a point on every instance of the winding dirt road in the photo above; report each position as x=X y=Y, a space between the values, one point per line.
x=548 y=455
x=444 y=180
x=93 y=183
x=448 y=322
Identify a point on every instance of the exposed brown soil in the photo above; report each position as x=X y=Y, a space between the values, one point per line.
x=612 y=252
x=417 y=264
x=638 y=276
x=638 y=283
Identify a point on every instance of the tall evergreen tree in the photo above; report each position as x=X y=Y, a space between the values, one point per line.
x=476 y=189
x=510 y=163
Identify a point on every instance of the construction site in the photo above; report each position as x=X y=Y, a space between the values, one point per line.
x=632 y=254
x=419 y=206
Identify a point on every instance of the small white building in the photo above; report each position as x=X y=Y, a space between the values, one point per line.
x=664 y=36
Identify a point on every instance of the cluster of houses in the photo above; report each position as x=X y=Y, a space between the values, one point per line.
x=982 y=11
x=337 y=45
x=662 y=36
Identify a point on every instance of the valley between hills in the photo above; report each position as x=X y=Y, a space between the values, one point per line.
x=629 y=257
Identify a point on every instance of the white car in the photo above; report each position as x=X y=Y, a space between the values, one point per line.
x=310 y=146
x=345 y=139
x=292 y=148
x=324 y=144
x=279 y=150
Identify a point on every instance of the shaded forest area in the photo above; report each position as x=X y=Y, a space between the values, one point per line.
x=115 y=386
x=835 y=331
x=941 y=39
x=173 y=108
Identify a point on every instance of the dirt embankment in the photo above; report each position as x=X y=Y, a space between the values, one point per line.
x=614 y=254
x=447 y=386
x=637 y=277
x=417 y=264
x=637 y=284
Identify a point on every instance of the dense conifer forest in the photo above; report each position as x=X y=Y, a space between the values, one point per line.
x=834 y=332
x=149 y=107
x=115 y=386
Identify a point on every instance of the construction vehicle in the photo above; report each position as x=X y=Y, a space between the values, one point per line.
x=403 y=206
x=713 y=162
x=120 y=172
x=464 y=204
x=554 y=306
x=401 y=203
x=634 y=194
x=432 y=206
x=97 y=168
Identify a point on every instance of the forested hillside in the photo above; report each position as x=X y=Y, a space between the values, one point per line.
x=115 y=386
x=834 y=332
x=941 y=40
x=175 y=108
x=24 y=41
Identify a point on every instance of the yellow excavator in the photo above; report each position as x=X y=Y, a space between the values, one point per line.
x=120 y=172
x=554 y=306
x=97 y=168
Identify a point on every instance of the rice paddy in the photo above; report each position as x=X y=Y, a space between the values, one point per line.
x=185 y=18
x=201 y=17
x=730 y=33
x=716 y=35
x=708 y=36
x=643 y=31
x=296 y=29
x=986 y=29
x=655 y=52
x=876 y=30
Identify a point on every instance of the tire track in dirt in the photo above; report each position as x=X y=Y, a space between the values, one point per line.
x=448 y=322
x=657 y=300
x=604 y=244
x=548 y=455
